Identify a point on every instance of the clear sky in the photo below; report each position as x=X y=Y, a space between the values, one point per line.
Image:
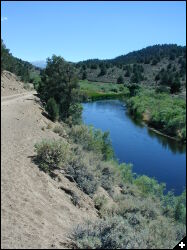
x=83 y=30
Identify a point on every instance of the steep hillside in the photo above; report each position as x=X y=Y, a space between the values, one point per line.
x=37 y=211
x=11 y=84
x=25 y=70
x=155 y=65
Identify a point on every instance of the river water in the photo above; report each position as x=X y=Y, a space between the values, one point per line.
x=151 y=154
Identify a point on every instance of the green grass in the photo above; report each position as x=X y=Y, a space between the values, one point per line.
x=98 y=90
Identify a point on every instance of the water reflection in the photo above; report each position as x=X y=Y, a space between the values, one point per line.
x=174 y=146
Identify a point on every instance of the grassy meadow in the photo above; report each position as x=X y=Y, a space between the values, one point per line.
x=99 y=90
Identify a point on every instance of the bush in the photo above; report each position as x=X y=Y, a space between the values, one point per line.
x=83 y=174
x=180 y=208
x=149 y=185
x=93 y=139
x=52 y=109
x=100 y=202
x=132 y=232
x=126 y=172
x=108 y=177
x=75 y=114
x=60 y=130
x=109 y=233
x=52 y=155
x=117 y=233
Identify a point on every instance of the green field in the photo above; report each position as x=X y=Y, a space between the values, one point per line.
x=98 y=90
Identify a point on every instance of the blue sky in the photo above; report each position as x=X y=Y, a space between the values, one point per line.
x=83 y=30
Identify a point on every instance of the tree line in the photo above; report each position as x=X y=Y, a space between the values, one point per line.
x=15 y=65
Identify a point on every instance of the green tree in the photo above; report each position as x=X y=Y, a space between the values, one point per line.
x=84 y=75
x=103 y=70
x=175 y=85
x=60 y=82
x=133 y=88
x=52 y=109
x=120 y=80
x=128 y=71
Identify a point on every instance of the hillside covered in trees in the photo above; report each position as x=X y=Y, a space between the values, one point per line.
x=158 y=65
x=25 y=70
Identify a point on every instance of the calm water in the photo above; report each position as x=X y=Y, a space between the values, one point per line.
x=150 y=154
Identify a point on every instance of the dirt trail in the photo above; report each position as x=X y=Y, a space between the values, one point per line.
x=35 y=213
x=12 y=98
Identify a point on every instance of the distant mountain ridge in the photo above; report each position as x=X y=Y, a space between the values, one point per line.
x=137 y=56
x=154 y=65
x=41 y=64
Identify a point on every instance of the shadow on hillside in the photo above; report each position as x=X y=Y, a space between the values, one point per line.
x=46 y=115
x=36 y=161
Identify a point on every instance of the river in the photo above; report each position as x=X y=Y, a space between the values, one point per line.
x=151 y=154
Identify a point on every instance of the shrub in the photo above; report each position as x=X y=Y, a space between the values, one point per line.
x=52 y=154
x=109 y=233
x=75 y=114
x=126 y=172
x=52 y=109
x=118 y=233
x=107 y=177
x=180 y=208
x=149 y=185
x=100 y=203
x=60 y=130
x=83 y=175
x=92 y=139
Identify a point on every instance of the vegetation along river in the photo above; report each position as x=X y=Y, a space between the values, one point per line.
x=151 y=154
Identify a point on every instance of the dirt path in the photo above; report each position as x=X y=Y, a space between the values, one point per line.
x=5 y=100
x=35 y=213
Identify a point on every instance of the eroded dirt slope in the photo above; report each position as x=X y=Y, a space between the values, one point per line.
x=36 y=212
x=10 y=84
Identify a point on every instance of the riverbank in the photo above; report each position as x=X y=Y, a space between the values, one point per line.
x=161 y=112
x=162 y=134
x=145 y=122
